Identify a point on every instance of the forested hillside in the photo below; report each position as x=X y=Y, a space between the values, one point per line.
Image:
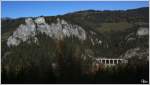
x=63 y=48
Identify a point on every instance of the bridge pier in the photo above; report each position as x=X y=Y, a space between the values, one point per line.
x=113 y=61
x=117 y=61
x=101 y=61
x=105 y=61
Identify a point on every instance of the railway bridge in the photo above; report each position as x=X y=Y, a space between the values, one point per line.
x=111 y=61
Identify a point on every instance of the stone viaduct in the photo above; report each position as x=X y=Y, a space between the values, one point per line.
x=111 y=61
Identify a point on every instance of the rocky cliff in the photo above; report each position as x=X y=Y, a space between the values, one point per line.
x=58 y=31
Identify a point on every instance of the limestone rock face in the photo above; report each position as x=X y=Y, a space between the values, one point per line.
x=40 y=20
x=12 y=41
x=61 y=29
x=23 y=33
x=142 y=31
x=58 y=31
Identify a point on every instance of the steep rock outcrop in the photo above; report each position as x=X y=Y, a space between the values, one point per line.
x=142 y=31
x=58 y=31
x=23 y=33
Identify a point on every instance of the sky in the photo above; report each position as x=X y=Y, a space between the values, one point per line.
x=16 y=9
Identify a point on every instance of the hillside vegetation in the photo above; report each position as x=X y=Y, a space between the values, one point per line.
x=70 y=59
